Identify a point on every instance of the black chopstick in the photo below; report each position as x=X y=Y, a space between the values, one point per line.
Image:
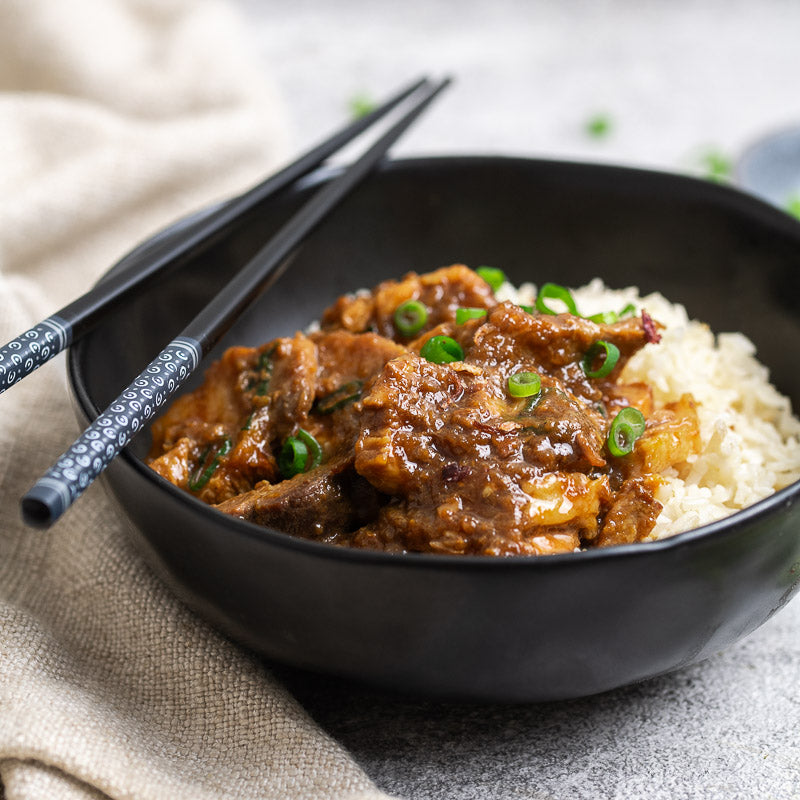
x=112 y=430
x=36 y=346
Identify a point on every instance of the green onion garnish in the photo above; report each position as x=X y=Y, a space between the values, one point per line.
x=338 y=398
x=264 y=366
x=409 y=317
x=464 y=314
x=293 y=457
x=552 y=291
x=604 y=317
x=442 y=350
x=526 y=309
x=209 y=462
x=628 y=311
x=312 y=445
x=626 y=428
x=493 y=276
x=610 y=358
x=524 y=384
x=299 y=454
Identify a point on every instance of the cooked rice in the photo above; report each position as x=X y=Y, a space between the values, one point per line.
x=750 y=438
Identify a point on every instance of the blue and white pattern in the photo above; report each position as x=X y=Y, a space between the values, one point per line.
x=30 y=350
x=112 y=430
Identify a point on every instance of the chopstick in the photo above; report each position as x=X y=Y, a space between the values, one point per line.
x=39 y=344
x=99 y=444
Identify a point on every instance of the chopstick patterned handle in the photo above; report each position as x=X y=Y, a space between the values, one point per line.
x=67 y=479
x=31 y=349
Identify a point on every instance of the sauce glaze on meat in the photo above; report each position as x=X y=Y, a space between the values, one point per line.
x=424 y=457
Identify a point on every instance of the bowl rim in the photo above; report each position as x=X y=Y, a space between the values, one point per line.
x=736 y=197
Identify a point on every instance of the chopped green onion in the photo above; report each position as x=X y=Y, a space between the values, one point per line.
x=409 y=317
x=628 y=311
x=360 y=105
x=493 y=276
x=552 y=291
x=610 y=358
x=338 y=398
x=299 y=454
x=442 y=350
x=264 y=366
x=598 y=126
x=718 y=166
x=464 y=314
x=312 y=445
x=604 y=318
x=626 y=428
x=293 y=457
x=524 y=384
x=526 y=309
x=209 y=462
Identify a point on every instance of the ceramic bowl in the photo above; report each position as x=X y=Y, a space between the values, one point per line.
x=508 y=629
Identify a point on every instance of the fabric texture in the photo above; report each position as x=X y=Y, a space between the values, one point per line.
x=116 y=117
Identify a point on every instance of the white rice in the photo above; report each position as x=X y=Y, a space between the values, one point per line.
x=750 y=437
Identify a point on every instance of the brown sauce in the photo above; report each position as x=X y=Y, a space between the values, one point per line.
x=407 y=455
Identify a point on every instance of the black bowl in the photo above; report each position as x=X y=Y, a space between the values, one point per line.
x=509 y=629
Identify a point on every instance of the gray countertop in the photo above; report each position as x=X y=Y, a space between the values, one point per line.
x=677 y=81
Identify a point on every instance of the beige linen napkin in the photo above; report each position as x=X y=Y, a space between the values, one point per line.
x=117 y=116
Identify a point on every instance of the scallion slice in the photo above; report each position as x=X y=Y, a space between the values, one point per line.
x=293 y=457
x=346 y=393
x=465 y=314
x=604 y=318
x=442 y=350
x=552 y=291
x=524 y=384
x=626 y=428
x=526 y=309
x=409 y=317
x=493 y=276
x=610 y=357
x=312 y=445
x=209 y=462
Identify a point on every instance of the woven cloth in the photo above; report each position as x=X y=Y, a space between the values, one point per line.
x=116 y=117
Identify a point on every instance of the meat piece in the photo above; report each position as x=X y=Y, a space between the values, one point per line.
x=516 y=511
x=441 y=292
x=632 y=515
x=553 y=344
x=670 y=436
x=516 y=480
x=425 y=457
x=322 y=504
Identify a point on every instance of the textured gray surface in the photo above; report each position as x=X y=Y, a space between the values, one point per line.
x=677 y=78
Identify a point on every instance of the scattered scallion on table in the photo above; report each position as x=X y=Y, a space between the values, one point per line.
x=360 y=105
x=793 y=205
x=598 y=126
